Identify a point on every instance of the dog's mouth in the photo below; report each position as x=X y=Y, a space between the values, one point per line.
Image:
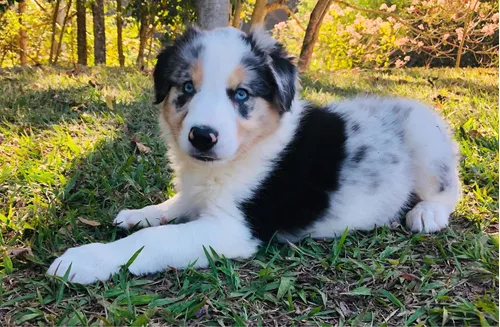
x=204 y=158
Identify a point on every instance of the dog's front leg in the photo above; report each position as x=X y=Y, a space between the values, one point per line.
x=174 y=246
x=154 y=215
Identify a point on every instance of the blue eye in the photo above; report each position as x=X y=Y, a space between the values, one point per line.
x=188 y=87
x=241 y=95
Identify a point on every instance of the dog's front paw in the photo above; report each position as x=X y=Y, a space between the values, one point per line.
x=89 y=263
x=427 y=217
x=129 y=218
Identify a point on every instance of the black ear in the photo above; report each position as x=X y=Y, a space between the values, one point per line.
x=283 y=69
x=285 y=75
x=169 y=60
x=161 y=74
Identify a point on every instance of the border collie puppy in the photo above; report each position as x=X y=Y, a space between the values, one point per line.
x=253 y=161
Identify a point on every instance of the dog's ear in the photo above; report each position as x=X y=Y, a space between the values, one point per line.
x=167 y=62
x=161 y=74
x=282 y=66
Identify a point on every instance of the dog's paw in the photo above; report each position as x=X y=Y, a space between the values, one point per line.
x=129 y=218
x=427 y=217
x=89 y=263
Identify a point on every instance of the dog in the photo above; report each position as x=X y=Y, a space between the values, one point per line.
x=254 y=162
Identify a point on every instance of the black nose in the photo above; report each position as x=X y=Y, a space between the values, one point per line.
x=203 y=138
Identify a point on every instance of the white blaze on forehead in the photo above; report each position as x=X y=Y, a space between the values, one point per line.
x=223 y=50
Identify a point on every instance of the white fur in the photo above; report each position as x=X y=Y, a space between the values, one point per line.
x=208 y=192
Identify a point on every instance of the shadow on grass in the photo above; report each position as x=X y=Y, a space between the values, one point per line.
x=111 y=176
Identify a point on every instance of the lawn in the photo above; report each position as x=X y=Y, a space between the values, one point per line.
x=75 y=149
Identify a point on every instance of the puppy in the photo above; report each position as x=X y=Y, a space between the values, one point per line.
x=253 y=161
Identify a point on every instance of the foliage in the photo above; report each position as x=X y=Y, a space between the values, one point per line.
x=66 y=158
x=388 y=35
x=439 y=27
x=347 y=38
x=170 y=19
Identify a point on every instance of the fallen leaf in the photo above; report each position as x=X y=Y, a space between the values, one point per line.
x=15 y=252
x=474 y=133
x=409 y=276
x=89 y=222
x=66 y=230
x=141 y=147
x=345 y=309
x=109 y=101
x=203 y=311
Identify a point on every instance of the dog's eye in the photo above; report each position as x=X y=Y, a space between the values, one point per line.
x=241 y=95
x=188 y=87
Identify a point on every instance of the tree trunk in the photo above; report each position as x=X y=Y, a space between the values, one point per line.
x=238 y=6
x=55 y=18
x=99 y=32
x=312 y=33
x=81 y=36
x=23 y=37
x=119 y=29
x=59 y=43
x=143 y=33
x=259 y=12
x=212 y=13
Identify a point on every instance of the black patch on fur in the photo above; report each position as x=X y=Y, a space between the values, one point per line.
x=360 y=154
x=171 y=65
x=275 y=77
x=374 y=180
x=444 y=177
x=355 y=128
x=243 y=107
x=394 y=159
x=181 y=99
x=297 y=191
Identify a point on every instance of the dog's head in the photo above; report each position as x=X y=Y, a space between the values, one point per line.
x=223 y=91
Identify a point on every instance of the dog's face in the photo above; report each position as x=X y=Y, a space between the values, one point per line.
x=223 y=91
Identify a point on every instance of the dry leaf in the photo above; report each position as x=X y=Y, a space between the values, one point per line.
x=15 y=252
x=109 y=101
x=474 y=133
x=89 y=222
x=409 y=276
x=141 y=147
x=65 y=230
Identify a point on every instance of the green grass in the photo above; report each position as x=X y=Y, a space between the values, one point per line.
x=66 y=153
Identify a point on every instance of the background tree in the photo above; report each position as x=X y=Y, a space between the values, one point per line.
x=81 y=34
x=212 y=13
x=119 y=31
x=237 y=9
x=99 y=32
x=59 y=43
x=23 y=37
x=312 y=33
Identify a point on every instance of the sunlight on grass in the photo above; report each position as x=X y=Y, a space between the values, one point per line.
x=65 y=152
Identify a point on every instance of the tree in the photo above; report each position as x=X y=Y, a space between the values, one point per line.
x=81 y=34
x=238 y=7
x=262 y=8
x=212 y=13
x=63 y=28
x=312 y=33
x=119 y=32
x=259 y=12
x=23 y=37
x=145 y=18
x=99 y=32
x=57 y=18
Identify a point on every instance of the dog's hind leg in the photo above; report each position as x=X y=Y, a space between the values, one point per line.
x=434 y=168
